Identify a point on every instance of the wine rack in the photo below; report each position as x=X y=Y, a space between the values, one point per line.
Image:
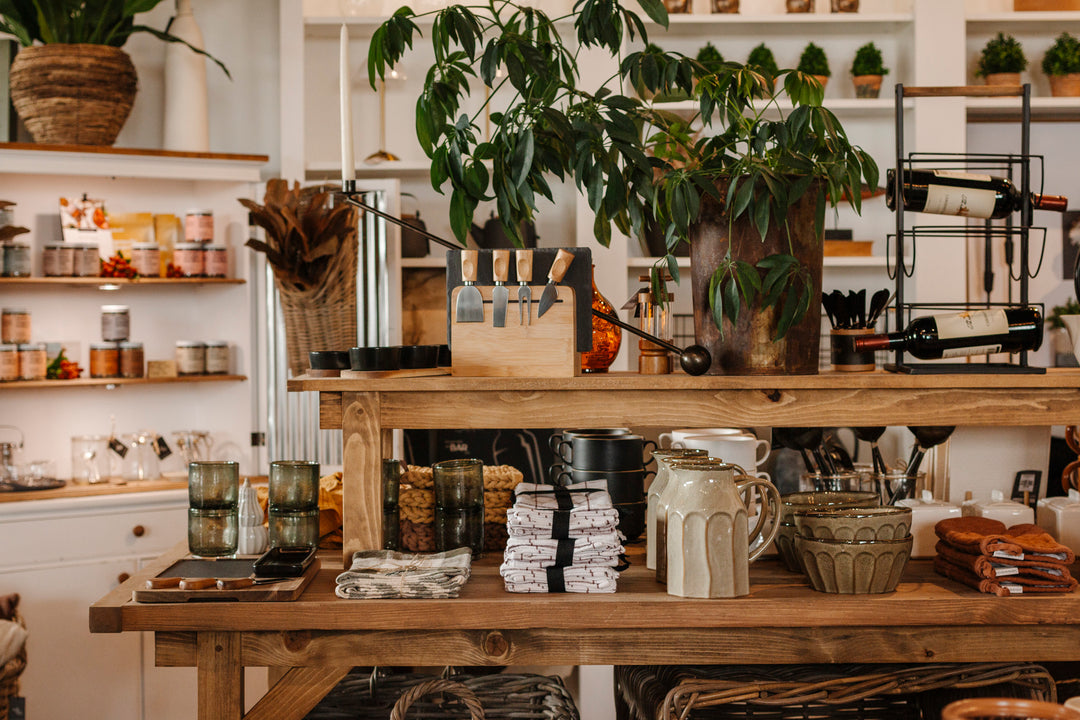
x=1017 y=237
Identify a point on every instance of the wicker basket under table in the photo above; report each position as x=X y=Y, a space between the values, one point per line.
x=866 y=692
x=503 y=696
x=9 y=676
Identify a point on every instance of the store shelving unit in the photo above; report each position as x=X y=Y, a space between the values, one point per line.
x=111 y=383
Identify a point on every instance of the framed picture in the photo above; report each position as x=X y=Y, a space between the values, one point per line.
x=1027 y=483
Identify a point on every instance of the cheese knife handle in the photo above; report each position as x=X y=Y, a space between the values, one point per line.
x=159 y=583
x=234 y=583
x=524 y=260
x=469 y=262
x=560 y=265
x=197 y=583
x=500 y=265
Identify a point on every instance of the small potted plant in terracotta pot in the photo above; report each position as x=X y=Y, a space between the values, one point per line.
x=762 y=58
x=813 y=61
x=1062 y=65
x=1002 y=61
x=867 y=71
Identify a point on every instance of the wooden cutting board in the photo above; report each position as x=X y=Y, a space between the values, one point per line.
x=226 y=568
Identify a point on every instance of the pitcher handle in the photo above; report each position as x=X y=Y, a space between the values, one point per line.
x=771 y=508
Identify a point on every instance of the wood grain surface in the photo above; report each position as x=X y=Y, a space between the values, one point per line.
x=362 y=489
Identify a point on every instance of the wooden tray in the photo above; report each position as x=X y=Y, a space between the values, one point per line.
x=225 y=568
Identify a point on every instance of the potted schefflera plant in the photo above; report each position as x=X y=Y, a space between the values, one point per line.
x=1001 y=61
x=867 y=71
x=1061 y=63
x=749 y=195
x=813 y=61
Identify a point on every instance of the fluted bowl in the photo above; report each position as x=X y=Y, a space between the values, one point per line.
x=785 y=547
x=873 y=523
x=853 y=567
x=839 y=499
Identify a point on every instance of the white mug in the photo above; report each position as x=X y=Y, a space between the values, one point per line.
x=742 y=450
x=675 y=437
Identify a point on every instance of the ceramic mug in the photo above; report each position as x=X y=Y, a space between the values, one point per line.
x=743 y=450
x=626 y=486
x=556 y=438
x=610 y=452
x=674 y=438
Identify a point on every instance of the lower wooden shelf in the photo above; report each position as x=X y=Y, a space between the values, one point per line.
x=113 y=382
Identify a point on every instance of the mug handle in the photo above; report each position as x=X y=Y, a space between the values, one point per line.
x=768 y=450
x=662 y=437
x=554 y=471
x=772 y=496
x=645 y=446
x=553 y=442
x=559 y=451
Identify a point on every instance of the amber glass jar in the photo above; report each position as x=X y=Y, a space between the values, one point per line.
x=606 y=337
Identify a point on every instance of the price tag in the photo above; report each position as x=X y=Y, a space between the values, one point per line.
x=118 y=447
x=160 y=447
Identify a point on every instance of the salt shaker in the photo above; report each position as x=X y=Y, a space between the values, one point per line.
x=253 y=537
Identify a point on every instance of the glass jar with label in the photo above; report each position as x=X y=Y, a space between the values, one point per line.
x=199 y=226
x=17 y=260
x=217 y=357
x=216 y=261
x=132 y=363
x=104 y=360
x=115 y=323
x=15 y=325
x=87 y=261
x=146 y=259
x=190 y=357
x=51 y=261
x=32 y=361
x=9 y=363
x=189 y=259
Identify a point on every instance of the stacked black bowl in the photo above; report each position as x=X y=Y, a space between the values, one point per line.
x=614 y=455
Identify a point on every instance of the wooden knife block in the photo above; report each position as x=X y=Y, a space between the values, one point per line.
x=543 y=349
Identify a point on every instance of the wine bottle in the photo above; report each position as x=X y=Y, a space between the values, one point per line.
x=945 y=192
x=976 y=332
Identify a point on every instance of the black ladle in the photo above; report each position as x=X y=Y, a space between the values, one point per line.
x=786 y=438
x=695 y=360
x=872 y=435
x=812 y=439
x=878 y=302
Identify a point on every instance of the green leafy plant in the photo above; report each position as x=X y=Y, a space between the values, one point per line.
x=633 y=162
x=1001 y=54
x=1063 y=57
x=761 y=57
x=93 y=22
x=868 y=61
x=710 y=59
x=1071 y=307
x=813 y=61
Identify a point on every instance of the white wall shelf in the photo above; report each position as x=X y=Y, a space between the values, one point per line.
x=785 y=23
x=1042 y=21
x=30 y=158
x=1048 y=109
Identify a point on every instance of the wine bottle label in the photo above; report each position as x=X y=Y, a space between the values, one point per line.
x=965 y=351
x=972 y=324
x=963 y=201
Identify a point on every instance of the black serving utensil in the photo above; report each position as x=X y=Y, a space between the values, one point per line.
x=926 y=437
x=860 y=307
x=826 y=302
x=812 y=439
x=840 y=308
x=878 y=302
x=872 y=435
x=695 y=360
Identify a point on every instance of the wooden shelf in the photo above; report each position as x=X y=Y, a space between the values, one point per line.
x=799 y=24
x=847 y=107
x=1024 y=21
x=1046 y=109
x=103 y=283
x=73 y=160
x=110 y=383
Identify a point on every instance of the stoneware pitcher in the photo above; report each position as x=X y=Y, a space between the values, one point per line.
x=708 y=546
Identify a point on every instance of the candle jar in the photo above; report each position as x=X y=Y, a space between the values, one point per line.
x=199 y=226
x=15 y=325
x=190 y=357
x=217 y=357
x=32 y=361
x=215 y=261
x=17 y=260
x=146 y=259
x=189 y=258
x=51 y=262
x=87 y=262
x=459 y=505
x=9 y=363
x=132 y=364
x=104 y=360
x=115 y=323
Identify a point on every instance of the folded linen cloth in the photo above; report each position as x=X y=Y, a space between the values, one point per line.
x=538 y=552
x=1002 y=587
x=573 y=579
x=994 y=568
x=557 y=524
x=390 y=574
x=1039 y=545
x=977 y=535
x=588 y=495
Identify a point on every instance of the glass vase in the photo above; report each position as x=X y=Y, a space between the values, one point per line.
x=606 y=337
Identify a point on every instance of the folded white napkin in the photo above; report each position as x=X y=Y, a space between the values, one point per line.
x=588 y=495
x=569 y=579
x=390 y=574
x=538 y=552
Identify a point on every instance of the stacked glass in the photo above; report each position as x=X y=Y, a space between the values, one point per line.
x=294 y=504
x=459 y=505
x=213 y=500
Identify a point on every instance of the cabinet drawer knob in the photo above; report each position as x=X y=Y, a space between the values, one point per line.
x=122 y=578
x=138 y=531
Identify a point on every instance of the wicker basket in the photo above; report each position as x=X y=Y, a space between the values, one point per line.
x=364 y=695
x=9 y=675
x=73 y=94
x=903 y=692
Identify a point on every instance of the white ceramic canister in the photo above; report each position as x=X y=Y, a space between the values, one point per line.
x=1060 y=516
x=925 y=514
x=663 y=466
x=1007 y=511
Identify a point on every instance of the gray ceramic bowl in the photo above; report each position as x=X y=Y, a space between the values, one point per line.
x=785 y=547
x=852 y=567
x=873 y=523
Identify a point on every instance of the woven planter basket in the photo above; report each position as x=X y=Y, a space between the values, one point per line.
x=73 y=94
x=322 y=318
x=9 y=675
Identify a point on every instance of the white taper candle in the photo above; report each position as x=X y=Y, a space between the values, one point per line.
x=348 y=164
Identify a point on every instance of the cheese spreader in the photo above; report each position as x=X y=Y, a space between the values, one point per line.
x=500 y=295
x=470 y=304
x=524 y=276
x=558 y=270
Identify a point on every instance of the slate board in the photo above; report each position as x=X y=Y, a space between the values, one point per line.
x=226 y=568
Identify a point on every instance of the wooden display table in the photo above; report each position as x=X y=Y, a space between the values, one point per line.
x=319 y=637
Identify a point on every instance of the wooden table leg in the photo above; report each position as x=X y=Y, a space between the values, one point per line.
x=220 y=675
x=361 y=428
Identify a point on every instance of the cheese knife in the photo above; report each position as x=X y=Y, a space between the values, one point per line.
x=524 y=260
x=470 y=305
x=500 y=295
x=558 y=270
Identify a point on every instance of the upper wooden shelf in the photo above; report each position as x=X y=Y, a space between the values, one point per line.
x=105 y=283
x=1052 y=109
x=114 y=382
x=39 y=159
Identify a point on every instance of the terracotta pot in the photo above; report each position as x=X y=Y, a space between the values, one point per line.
x=823 y=79
x=725 y=6
x=1003 y=79
x=845 y=5
x=867 y=86
x=800 y=6
x=1065 y=85
x=73 y=94
x=679 y=6
x=747 y=347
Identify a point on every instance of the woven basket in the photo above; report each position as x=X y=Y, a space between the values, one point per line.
x=323 y=318
x=9 y=675
x=364 y=696
x=885 y=692
x=73 y=94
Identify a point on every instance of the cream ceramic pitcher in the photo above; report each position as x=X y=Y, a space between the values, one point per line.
x=708 y=546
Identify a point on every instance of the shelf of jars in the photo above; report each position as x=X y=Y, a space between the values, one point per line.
x=846 y=107
x=1008 y=110
x=788 y=23
x=108 y=283
x=70 y=160
x=1049 y=21
x=115 y=382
